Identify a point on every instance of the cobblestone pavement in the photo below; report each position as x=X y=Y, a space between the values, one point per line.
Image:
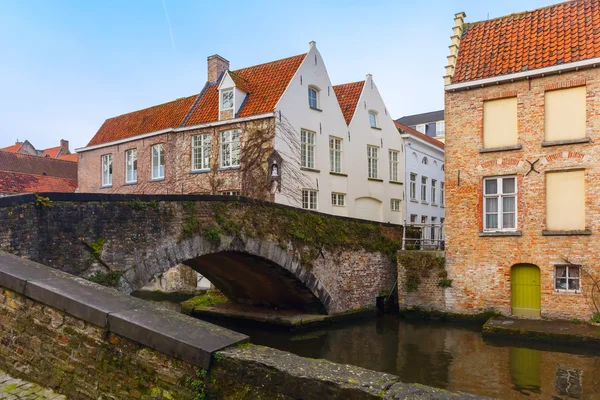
x=13 y=389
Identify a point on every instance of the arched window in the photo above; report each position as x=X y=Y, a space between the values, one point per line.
x=425 y=161
x=415 y=158
x=313 y=97
x=442 y=167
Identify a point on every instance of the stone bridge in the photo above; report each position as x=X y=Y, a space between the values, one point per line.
x=254 y=252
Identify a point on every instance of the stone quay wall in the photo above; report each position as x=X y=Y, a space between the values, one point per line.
x=88 y=342
x=143 y=236
x=428 y=295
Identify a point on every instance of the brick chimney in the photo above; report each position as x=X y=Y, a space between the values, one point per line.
x=216 y=66
x=457 y=31
x=64 y=147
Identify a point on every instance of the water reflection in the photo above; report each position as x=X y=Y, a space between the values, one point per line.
x=454 y=357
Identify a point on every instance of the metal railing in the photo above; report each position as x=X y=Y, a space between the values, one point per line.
x=423 y=237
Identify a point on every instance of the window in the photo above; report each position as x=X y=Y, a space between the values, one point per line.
x=107 y=170
x=131 y=166
x=565 y=200
x=338 y=199
x=230 y=193
x=373 y=119
x=442 y=192
x=313 y=98
x=567 y=277
x=425 y=161
x=413 y=218
x=423 y=219
x=413 y=186
x=500 y=123
x=309 y=199
x=565 y=114
x=440 y=128
x=335 y=154
x=433 y=227
x=230 y=148
x=395 y=204
x=158 y=161
x=420 y=128
x=373 y=158
x=500 y=203
x=394 y=165
x=423 y=188
x=433 y=189
x=307 y=148
x=226 y=99
x=201 y=152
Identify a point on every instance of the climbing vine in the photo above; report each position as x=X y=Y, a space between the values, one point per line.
x=42 y=202
x=419 y=265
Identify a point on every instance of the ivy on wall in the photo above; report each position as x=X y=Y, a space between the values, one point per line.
x=421 y=264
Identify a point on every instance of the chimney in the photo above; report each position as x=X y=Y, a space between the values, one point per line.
x=457 y=31
x=216 y=66
x=311 y=44
x=64 y=147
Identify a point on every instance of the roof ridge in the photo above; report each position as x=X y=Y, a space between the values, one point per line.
x=522 y=13
x=350 y=83
x=268 y=62
x=36 y=157
x=154 y=106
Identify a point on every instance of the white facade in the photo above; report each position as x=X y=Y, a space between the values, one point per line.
x=362 y=197
x=425 y=163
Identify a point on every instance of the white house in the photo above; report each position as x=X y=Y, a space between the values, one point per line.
x=425 y=186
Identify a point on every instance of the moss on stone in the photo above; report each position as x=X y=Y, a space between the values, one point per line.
x=205 y=300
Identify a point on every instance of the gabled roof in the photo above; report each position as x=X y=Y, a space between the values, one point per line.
x=416 y=119
x=264 y=83
x=52 y=152
x=549 y=36
x=17 y=182
x=348 y=95
x=35 y=165
x=410 y=131
x=73 y=157
x=14 y=148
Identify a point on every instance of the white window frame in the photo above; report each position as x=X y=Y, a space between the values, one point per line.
x=438 y=131
x=316 y=91
x=395 y=204
x=374 y=122
x=567 y=277
x=373 y=161
x=201 y=146
x=338 y=199
x=424 y=181
x=413 y=186
x=230 y=193
x=131 y=166
x=413 y=218
x=158 y=155
x=421 y=128
x=394 y=156
x=230 y=148
x=222 y=99
x=433 y=189
x=335 y=154
x=308 y=143
x=310 y=199
x=442 y=193
x=500 y=196
x=106 y=170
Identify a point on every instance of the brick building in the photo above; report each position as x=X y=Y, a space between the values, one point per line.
x=522 y=101
x=278 y=131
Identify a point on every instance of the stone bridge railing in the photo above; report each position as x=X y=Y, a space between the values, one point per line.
x=310 y=260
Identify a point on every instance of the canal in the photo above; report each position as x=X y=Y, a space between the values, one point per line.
x=444 y=355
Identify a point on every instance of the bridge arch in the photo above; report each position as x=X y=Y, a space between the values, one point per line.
x=246 y=270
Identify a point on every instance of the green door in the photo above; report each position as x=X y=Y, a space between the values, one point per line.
x=525 y=290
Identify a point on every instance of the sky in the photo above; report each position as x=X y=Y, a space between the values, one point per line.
x=66 y=66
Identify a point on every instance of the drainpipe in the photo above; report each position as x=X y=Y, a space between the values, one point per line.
x=404 y=235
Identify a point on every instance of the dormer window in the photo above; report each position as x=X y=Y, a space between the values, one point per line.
x=227 y=99
x=373 y=119
x=313 y=97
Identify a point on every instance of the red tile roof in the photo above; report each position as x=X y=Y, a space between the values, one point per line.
x=265 y=84
x=34 y=165
x=73 y=157
x=17 y=182
x=52 y=152
x=407 y=129
x=348 y=95
x=12 y=149
x=549 y=36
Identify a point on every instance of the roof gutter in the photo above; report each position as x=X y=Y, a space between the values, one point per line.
x=556 y=69
x=178 y=129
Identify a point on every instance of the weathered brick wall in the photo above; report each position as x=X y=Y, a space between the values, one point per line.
x=480 y=266
x=145 y=238
x=428 y=296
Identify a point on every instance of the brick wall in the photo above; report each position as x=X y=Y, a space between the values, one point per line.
x=480 y=266
x=428 y=296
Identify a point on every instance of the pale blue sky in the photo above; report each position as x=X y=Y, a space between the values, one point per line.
x=67 y=66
